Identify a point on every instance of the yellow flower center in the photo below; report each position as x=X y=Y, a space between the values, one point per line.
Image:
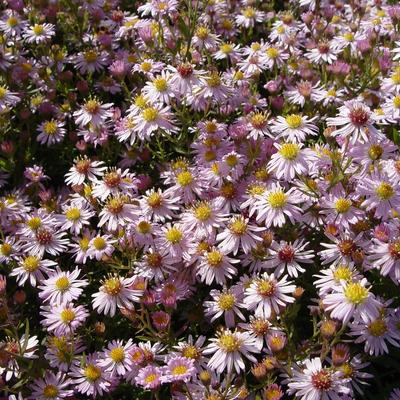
x=184 y=178
x=226 y=301
x=384 y=191
x=255 y=189
x=294 y=121
x=154 y=200
x=249 y=12
x=5 y=249
x=396 y=78
x=396 y=102
x=3 y=92
x=231 y=160
x=342 y=272
x=12 y=21
x=92 y=373
x=73 y=214
x=150 y=378
x=150 y=114
x=50 y=391
x=377 y=328
x=92 y=106
x=34 y=223
x=202 y=32
x=191 y=352
x=38 y=29
x=277 y=199
x=179 y=370
x=258 y=120
x=117 y=354
x=67 y=316
x=226 y=48
x=99 y=243
x=90 y=56
x=203 y=211
x=112 y=286
x=145 y=66
x=31 y=263
x=174 y=235
x=265 y=288
x=229 y=342
x=143 y=227
x=356 y=293
x=140 y=102
x=348 y=36
x=238 y=226
x=347 y=370
x=84 y=243
x=342 y=205
x=62 y=283
x=160 y=84
x=213 y=80
x=214 y=258
x=375 y=152
x=115 y=205
x=331 y=93
x=272 y=52
x=50 y=127
x=289 y=151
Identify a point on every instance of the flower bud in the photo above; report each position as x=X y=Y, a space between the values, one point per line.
x=328 y=329
x=259 y=371
x=205 y=377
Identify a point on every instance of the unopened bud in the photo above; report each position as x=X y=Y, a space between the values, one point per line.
x=99 y=328
x=20 y=297
x=328 y=329
x=298 y=292
x=205 y=377
x=259 y=371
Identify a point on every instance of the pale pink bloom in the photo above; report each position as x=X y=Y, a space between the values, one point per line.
x=303 y=92
x=32 y=267
x=116 y=357
x=175 y=240
x=249 y=16
x=149 y=377
x=386 y=258
x=185 y=77
x=7 y=99
x=228 y=350
x=58 y=386
x=84 y=168
x=75 y=216
x=114 y=292
x=99 y=246
x=267 y=295
x=322 y=53
x=294 y=128
x=39 y=33
x=159 y=89
x=159 y=205
x=178 y=369
x=93 y=112
x=90 y=61
x=117 y=212
x=51 y=132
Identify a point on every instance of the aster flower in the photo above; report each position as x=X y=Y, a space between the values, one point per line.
x=90 y=61
x=287 y=256
x=239 y=233
x=273 y=206
x=313 y=381
x=386 y=258
x=352 y=300
x=83 y=169
x=192 y=349
x=7 y=98
x=267 y=295
x=89 y=378
x=93 y=112
x=116 y=358
x=52 y=386
x=290 y=160
x=159 y=89
x=114 y=292
x=149 y=377
x=117 y=212
x=356 y=121
x=159 y=205
x=62 y=287
x=32 y=267
x=100 y=246
x=178 y=369
x=228 y=350
x=39 y=33
x=75 y=216
x=249 y=16
x=63 y=319
x=51 y=132
x=294 y=127
x=226 y=303
x=46 y=240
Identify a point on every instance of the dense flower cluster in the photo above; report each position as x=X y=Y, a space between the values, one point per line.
x=199 y=199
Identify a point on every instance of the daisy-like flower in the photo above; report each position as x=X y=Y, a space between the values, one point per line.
x=51 y=132
x=178 y=369
x=287 y=256
x=275 y=56
x=63 y=319
x=12 y=24
x=352 y=300
x=239 y=234
x=89 y=378
x=303 y=92
x=225 y=303
x=203 y=38
x=294 y=127
x=93 y=112
x=117 y=212
x=322 y=53
x=39 y=33
x=51 y=386
x=83 y=169
x=62 y=287
x=267 y=295
x=216 y=266
x=116 y=359
x=159 y=89
x=381 y=194
x=188 y=184
x=75 y=216
x=46 y=240
x=275 y=205
x=386 y=258
x=376 y=334
x=158 y=205
x=90 y=61
x=249 y=16
x=7 y=99
x=339 y=208
x=32 y=267
x=153 y=118
x=312 y=381
x=192 y=349
x=356 y=121
x=100 y=246
x=175 y=240
x=290 y=160
x=149 y=377
x=185 y=77
x=114 y=292
x=228 y=350
x=258 y=125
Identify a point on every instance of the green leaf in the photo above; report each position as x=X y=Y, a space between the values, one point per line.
x=396 y=136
